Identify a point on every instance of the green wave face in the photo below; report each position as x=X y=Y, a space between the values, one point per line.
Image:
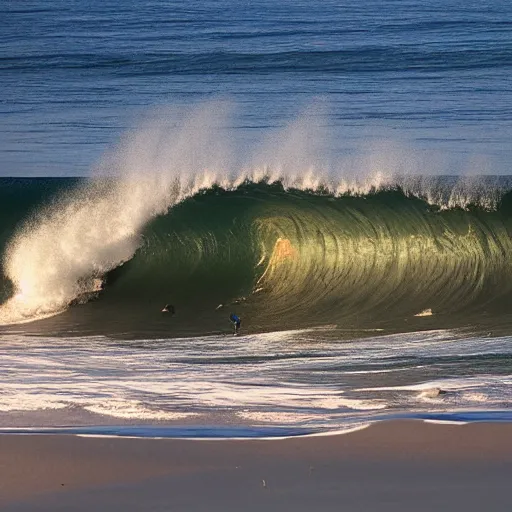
x=290 y=259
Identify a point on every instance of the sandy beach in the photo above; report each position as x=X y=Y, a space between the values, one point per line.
x=389 y=466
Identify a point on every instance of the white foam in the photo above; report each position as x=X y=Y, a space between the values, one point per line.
x=445 y=422
x=455 y=384
x=363 y=405
x=21 y=401
x=134 y=409
x=425 y=312
x=348 y=429
x=280 y=418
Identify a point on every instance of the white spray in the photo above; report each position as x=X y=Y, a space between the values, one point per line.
x=65 y=249
x=62 y=252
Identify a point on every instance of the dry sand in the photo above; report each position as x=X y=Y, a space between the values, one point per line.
x=390 y=466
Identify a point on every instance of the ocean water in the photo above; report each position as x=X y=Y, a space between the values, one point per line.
x=335 y=173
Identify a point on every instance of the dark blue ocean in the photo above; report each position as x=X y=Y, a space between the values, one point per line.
x=335 y=173
x=433 y=76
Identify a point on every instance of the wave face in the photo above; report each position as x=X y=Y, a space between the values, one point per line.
x=278 y=257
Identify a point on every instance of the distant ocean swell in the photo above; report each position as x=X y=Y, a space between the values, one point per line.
x=365 y=59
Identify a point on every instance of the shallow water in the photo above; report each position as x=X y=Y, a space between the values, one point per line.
x=291 y=381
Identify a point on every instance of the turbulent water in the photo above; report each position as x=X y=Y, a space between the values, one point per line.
x=335 y=173
x=354 y=308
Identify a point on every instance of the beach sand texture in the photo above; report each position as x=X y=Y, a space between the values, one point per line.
x=389 y=466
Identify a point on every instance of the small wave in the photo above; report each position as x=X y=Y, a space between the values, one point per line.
x=433 y=393
x=445 y=422
x=277 y=418
x=133 y=409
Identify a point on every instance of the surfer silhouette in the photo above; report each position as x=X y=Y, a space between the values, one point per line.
x=236 y=322
x=168 y=308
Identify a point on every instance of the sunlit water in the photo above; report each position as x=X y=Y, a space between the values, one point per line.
x=299 y=381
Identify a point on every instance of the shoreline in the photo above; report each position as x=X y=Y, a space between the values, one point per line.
x=191 y=429
x=391 y=465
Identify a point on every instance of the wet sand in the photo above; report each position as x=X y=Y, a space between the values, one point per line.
x=406 y=465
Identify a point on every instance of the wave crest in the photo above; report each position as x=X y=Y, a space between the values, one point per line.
x=302 y=249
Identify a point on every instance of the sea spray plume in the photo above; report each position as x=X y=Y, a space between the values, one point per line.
x=455 y=192
x=300 y=156
x=64 y=249
x=62 y=252
x=296 y=155
x=183 y=148
x=57 y=255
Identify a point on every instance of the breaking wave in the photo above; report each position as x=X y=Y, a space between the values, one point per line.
x=172 y=217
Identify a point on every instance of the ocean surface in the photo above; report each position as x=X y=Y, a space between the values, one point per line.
x=335 y=173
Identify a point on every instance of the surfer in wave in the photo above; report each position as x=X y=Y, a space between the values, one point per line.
x=168 y=308
x=236 y=322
